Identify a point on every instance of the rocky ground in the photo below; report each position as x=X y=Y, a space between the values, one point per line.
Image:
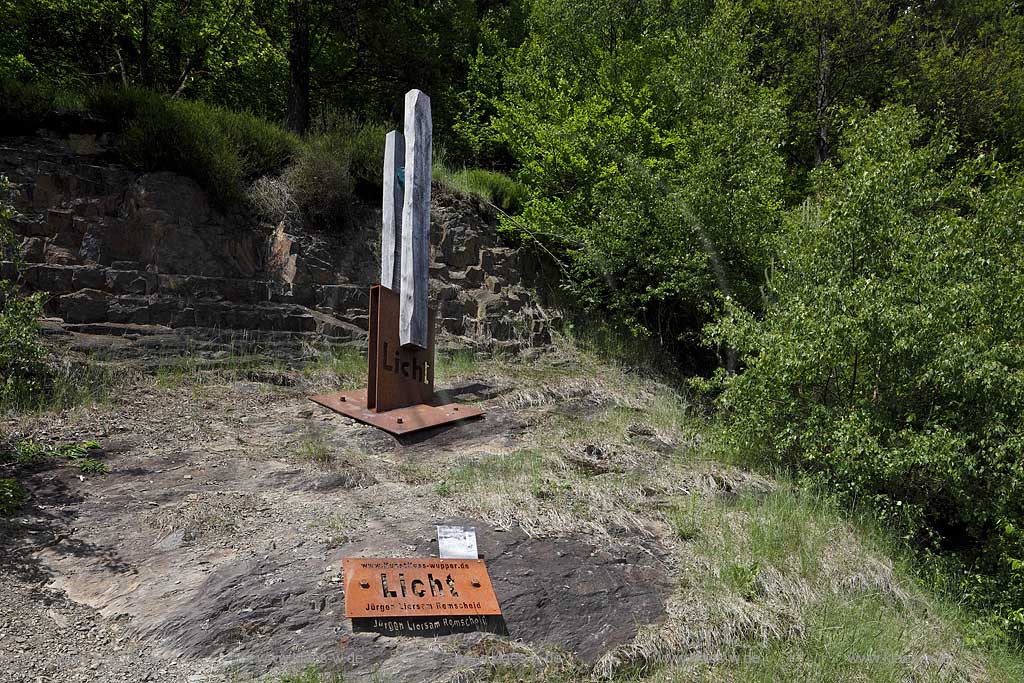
x=212 y=549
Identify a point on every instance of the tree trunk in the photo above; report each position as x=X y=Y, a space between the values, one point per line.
x=147 y=74
x=823 y=97
x=297 y=117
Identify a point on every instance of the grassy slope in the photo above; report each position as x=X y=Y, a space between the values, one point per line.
x=225 y=150
x=774 y=583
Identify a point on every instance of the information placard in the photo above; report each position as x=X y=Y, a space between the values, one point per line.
x=424 y=587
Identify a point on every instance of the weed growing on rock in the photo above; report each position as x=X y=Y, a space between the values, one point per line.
x=314 y=450
x=312 y=675
x=28 y=452
x=92 y=466
x=12 y=496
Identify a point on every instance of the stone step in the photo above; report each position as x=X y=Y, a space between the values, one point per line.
x=89 y=306
x=66 y=279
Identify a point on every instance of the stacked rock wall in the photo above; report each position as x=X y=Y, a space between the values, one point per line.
x=126 y=252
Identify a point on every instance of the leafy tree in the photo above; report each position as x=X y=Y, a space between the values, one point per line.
x=297 y=115
x=888 y=362
x=828 y=56
x=651 y=157
x=970 y=69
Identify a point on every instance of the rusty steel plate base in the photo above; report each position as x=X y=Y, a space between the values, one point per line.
x=399 y=420
x=399 y=396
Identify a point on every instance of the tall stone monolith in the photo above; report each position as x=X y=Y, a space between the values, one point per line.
x=415 y=245
x=391 y=211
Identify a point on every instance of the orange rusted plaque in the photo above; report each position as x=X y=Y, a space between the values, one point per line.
x=429 y=587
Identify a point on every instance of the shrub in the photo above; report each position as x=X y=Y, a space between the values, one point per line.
x=23 y=371
x=653 y=167
x=491 y=186
x=367 y=156
x=22 y=107
x=321 y=180
x=12 y=497
x=888 y=365
x=219 y=148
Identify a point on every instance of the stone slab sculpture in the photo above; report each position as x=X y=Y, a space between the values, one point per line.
x=391 y=211
x=399 y=395
x=416 y=220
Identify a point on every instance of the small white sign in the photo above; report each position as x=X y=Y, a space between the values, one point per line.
x=457 y=542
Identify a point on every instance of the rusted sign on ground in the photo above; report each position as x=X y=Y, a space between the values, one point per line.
x=388 y=588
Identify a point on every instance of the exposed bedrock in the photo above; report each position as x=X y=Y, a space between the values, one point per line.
x=131 y=253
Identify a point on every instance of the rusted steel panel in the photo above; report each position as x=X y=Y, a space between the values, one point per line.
x=399 y=376
x=400 y=420
x=371 y=353
x=425 y=587
x=399 y=397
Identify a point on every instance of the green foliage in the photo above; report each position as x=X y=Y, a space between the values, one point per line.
x=888 y=364
x=321 y=179
x=27 y=453
x=651 y=159
x=970 y=67
x=12 y=497
x=367 y=145
x=23 y=370
x=92 y=466
x=493 y=187
x=219 y=148
x=312 y=674
x=330 y=167
x=22 y=107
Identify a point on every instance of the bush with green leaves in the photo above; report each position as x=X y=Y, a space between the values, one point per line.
x=889 y=364
x=12 y=496
x=23 y=369
x=330 y=168
x=219 y=148
x=651 y=158
x=493 y=187
x=320 y=180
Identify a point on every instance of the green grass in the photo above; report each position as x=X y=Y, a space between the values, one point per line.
x=785 y=586
x=219 y=148
x=454 y=364
x=493 y=471
x=193 y=368
x=344 y=368
x=29 y=452
x=491 y=186
x=312 y=674
x=314 y=450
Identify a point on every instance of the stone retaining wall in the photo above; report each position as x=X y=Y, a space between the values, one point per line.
x=123 y=251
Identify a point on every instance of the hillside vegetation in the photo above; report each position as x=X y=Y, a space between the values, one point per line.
x=814 y=210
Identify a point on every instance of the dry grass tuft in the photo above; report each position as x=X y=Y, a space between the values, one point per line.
x=214 y=514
